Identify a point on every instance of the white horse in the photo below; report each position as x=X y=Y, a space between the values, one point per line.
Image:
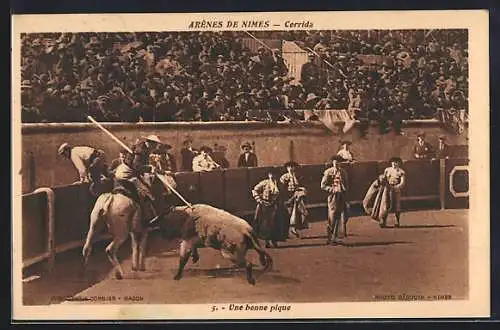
x=123 y=217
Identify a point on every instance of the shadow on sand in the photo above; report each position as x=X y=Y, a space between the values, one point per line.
x=67 y=279
x=423 y=226
x=343 y=243
x=364 y=244
x=234 y=272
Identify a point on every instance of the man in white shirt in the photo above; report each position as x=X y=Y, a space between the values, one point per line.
x=88 y=161
x=203 y=162
x=344 y=152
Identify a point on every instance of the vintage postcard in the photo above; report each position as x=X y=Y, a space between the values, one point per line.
x=287 y=165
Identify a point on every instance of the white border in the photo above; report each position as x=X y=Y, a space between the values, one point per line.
x=474 y=20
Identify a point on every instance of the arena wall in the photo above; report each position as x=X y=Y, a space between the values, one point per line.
x=307 y=143
x=64 y=222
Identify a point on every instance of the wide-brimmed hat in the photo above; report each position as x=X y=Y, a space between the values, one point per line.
x=164 y=147
x=342 y=142
x=63 y=147
x=396 y=160
x=337 y=158
x=273 y=170
x=311 y=97
x=206 y=149
x=153 y=138
x=291 y=163
x=246 y=144
x=442 y=137
x=187 y=140
x=421 y=134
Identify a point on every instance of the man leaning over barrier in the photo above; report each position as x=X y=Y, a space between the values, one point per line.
x=88 y=161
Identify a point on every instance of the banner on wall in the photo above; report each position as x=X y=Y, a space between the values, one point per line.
x=332 y=118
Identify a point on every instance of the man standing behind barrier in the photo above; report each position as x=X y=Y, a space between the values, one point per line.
x=395 y=176
x=88 y=161
x=442 y=148
x=247 y=158
x=335 y=183
x=187 y=155
x=422 y=149
x=203 y=162
x=345 y=153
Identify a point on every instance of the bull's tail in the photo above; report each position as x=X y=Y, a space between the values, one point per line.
x=265 y=259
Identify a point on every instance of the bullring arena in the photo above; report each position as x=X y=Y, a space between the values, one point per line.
x=371 y=264
x=293 y=96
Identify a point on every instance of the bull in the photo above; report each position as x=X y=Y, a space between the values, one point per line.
x=207 y=226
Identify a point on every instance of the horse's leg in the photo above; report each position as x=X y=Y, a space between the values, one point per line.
x=135 y=249
x=111 y=250
x=142 y=250
x=185 y=252
x=87 y=247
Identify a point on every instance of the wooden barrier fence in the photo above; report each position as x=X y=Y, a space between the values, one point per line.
x=57 y=219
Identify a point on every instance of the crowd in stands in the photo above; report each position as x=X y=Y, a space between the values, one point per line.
x=213 y=76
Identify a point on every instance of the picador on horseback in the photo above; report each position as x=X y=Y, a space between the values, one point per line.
x=129 y=180
x=141 y=186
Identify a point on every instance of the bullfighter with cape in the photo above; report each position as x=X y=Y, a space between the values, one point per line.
x=335 y=183
x=270 y=220
x=294 y=201
x=384 y=194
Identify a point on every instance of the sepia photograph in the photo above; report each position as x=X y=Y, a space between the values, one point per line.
x=244 y=165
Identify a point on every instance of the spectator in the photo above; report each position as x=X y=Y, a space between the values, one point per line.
x=442 y=150
x=422 y=149
x=175 y=76
x=247 y=157
x=187 y=155
x=204 y=162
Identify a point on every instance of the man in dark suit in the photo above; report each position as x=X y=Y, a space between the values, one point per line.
x=187 y=154
x=247 y=157
x=168 y=160
x=422 y=149
x=309 y=74
x=442 y=151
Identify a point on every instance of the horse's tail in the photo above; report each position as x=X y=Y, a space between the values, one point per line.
x=103 y=211
x=265 y=259
x=97 y=216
